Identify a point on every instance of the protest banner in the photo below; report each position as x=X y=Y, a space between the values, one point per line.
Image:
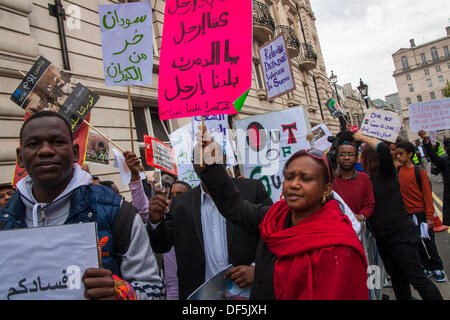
x=159 y=155
x=79 y=138
x=127 y=52
x=381 y=124
x=320 y=135
x=206 y=57
x=334 y=108
x=182 y=141
x=216 y=126
x=265 y=142
x=277 y=69
x=127 y=43
x=47 y=263
x=430 y=115
x=46 y=87
x=97 y=149
x=220 y=288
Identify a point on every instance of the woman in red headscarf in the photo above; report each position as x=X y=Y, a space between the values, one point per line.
x=308 y=248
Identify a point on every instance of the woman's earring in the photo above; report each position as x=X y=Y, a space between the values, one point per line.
x=324 y=199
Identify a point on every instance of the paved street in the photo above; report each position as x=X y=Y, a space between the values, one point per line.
x=442 y=241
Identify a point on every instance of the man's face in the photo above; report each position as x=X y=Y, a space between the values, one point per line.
x=175 y=190
x=403 y=156
x=47 y=152
x=5 y=195
x=346 y=157
x=393 y=152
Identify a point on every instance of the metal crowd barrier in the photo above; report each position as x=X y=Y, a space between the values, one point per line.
x=376 y=272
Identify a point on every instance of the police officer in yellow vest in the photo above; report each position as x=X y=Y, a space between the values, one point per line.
x=439 y=149
x=419 y=156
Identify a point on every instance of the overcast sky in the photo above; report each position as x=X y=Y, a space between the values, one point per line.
x=358 y=37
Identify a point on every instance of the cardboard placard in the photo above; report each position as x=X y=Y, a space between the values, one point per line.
x=276 y=65
x=47 y=263
x=127 y=43
x=381 y=124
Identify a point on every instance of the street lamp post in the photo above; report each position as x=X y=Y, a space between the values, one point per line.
x=363 y=90
x=333 y=80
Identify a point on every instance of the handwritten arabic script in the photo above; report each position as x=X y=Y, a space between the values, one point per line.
x=206 y=57
x=127 y=43
x=381 y=124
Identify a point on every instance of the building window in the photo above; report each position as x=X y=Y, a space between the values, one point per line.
x=434 y=54
x=408 y=101
x=408 y=77
x=432 y=95
x=447 y=53
x=443 y=92
x=419 y=98
x=427 y=72
x=411 y=88
x=257 y=69
x=438 y=68
x=429 y=83
x=424 y=59
x=405 y=63
x=441 y=80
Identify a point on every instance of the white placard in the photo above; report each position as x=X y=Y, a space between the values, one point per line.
x=430 y=115
x=217 y=127
x=47 y=263
x=127 y=43
x=320 y=135
x=265 y=142
x=276 y=66
x=181 y=141
x=381 y=124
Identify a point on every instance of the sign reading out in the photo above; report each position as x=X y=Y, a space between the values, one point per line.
x=127 y=43
x=277 y=69
x=381 y=124
x=206 y=57
x=265 y=142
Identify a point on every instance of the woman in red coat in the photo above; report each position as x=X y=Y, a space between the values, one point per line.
x=318 y=253
x=309 y=249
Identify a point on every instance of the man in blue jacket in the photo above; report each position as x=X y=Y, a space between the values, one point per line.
x=56 y=191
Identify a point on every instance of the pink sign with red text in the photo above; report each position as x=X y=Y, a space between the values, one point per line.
x=206 y=57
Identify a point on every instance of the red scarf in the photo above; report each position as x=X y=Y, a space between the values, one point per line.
x=320 y=258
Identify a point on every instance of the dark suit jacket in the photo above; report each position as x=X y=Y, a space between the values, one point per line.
x=182 y=228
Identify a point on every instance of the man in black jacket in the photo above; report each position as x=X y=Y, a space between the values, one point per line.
x=204 y=241
x=444 y=165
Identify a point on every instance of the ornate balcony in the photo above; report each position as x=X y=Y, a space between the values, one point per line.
x=307 y=58
x=263 y=23
x=293 y=45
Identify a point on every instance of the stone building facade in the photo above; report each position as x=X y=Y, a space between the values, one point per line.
x=421 y=73
x=27 y=30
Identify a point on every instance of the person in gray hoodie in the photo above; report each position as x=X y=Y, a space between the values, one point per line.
x=57 y=191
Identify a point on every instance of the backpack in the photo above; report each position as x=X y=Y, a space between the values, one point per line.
x=417 y=170
x=121 y=230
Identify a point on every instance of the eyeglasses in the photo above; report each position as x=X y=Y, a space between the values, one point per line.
x=348 y=154
x=318 y=155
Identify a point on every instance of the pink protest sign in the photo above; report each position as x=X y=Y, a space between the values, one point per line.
x=206 y=57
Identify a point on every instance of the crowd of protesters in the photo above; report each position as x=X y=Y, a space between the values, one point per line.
x=172 y=238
